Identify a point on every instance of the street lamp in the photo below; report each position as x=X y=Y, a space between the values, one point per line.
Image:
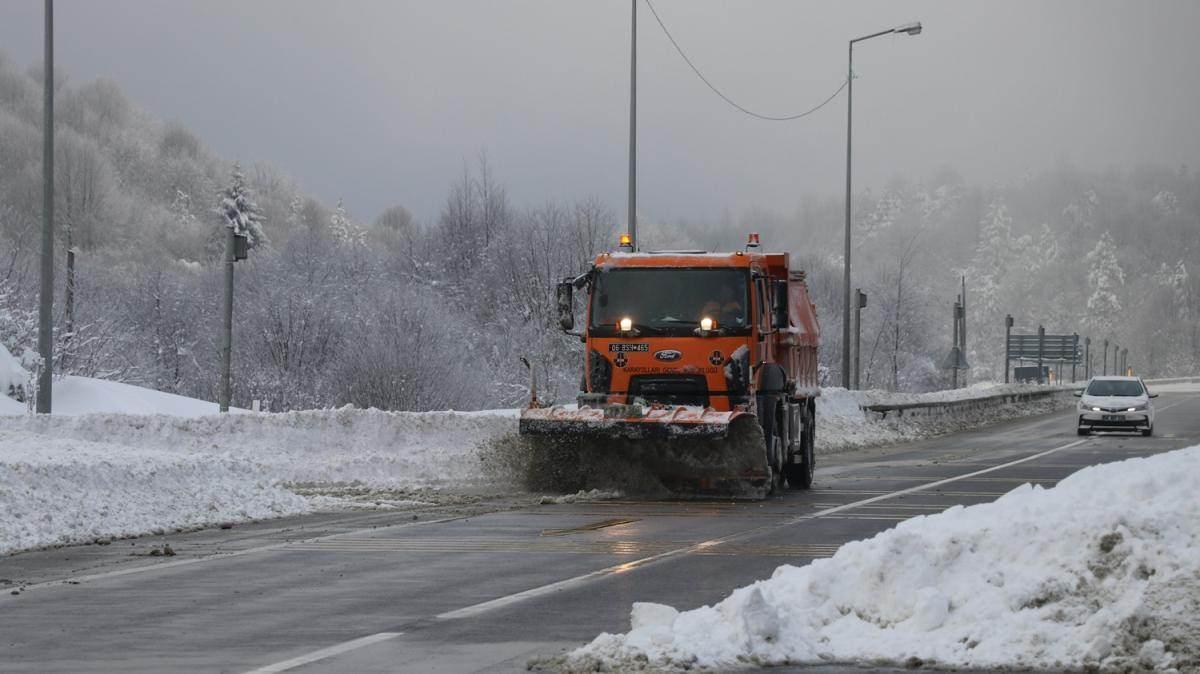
x=909 y=29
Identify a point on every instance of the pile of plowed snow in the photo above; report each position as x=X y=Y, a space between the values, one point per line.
x=1100 y=572
x=162 y=472
x=58 y=490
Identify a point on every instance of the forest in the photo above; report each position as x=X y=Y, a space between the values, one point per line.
x=399 y=313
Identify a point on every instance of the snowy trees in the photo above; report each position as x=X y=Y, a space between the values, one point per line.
x=1105 y=279
x=239 y=212
x=433 y=310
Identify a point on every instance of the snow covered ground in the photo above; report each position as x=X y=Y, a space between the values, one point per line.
x=72 y=479
x=84 y=395
x=1105 y=573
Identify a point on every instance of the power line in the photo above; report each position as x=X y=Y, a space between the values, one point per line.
x=769 y=118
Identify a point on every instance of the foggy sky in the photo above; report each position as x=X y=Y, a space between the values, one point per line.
x=381 y=102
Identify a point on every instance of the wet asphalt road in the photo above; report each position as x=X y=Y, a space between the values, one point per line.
x=485 y=587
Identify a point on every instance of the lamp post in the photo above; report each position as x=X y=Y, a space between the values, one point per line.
x=910 y=29
x=46 y=300
x=632 y=217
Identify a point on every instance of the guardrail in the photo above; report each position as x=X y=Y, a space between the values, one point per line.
x=900 y=409
x=1173 y=380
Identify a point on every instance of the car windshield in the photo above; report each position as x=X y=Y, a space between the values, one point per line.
x=1115 y=387
x=664 y=301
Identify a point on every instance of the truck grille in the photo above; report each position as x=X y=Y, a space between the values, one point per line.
x=670 y=390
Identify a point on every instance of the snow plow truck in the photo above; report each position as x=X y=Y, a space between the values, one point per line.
x=698 y=367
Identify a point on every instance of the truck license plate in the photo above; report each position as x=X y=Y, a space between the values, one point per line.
x=1113 y=417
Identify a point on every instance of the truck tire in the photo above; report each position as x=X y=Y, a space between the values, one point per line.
x=775 y=434
x=799 y=474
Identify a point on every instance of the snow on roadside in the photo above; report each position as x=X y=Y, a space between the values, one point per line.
x=158 y=472
x=1100 y=572
x=60 y=490
x=86 y=395
x=842 y=424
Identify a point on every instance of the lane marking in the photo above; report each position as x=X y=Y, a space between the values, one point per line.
x=336 y=649
x=116 y=573
x=584 y=579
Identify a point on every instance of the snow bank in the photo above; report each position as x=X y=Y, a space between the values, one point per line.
x=84 y=395
x=59 y=490
x=843 y=424
x=13 y=379
x=161 y=472
x=1102 y=571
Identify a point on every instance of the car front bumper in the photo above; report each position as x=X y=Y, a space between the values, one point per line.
x=1116 y=420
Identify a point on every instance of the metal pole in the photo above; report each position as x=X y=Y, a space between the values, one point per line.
x=954 y=349
x=227 y=327
x=1041 y=347
x=846 y=254
x=1008 y=322
x=46 y=306
x=860 y=302
x=963 y=330
x=633 y=127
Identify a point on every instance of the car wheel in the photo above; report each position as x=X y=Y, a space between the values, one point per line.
x=1147 y=432
x=1083 y=431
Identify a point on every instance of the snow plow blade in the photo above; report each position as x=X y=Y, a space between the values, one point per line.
x=685 y=451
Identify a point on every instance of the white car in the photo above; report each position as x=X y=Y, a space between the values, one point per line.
x=1116 y=404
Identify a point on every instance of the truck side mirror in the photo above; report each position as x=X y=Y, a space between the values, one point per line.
x=565 y=296
x=779 y=305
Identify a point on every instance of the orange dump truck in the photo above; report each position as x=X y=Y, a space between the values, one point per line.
x=701 y=365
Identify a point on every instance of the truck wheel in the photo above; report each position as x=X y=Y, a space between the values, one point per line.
x=776 y=442
x=800 y=474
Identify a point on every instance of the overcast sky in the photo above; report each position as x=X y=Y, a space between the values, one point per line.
x=380 y=102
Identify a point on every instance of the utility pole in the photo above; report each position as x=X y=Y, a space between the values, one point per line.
x=859 y=305
x=633 y=127
x=1041 y=348
x=227 y=325
x=1105 y=370
x=1008 y=324
x=46 y=306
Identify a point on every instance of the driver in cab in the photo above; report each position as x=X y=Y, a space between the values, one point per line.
x=725 y=310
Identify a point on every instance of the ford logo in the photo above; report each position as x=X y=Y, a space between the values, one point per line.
x=668 y=355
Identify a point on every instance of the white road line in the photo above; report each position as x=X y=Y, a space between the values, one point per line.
x=577 y=581
x=336 y=649
x=76 y=580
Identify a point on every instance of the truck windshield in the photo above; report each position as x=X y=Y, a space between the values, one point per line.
x=670 y=301
x=1115 y=387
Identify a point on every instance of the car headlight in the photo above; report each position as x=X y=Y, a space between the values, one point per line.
x=1095 y=409
x=1138 y=408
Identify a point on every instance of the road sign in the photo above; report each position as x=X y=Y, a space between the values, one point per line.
x=1053 y=348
